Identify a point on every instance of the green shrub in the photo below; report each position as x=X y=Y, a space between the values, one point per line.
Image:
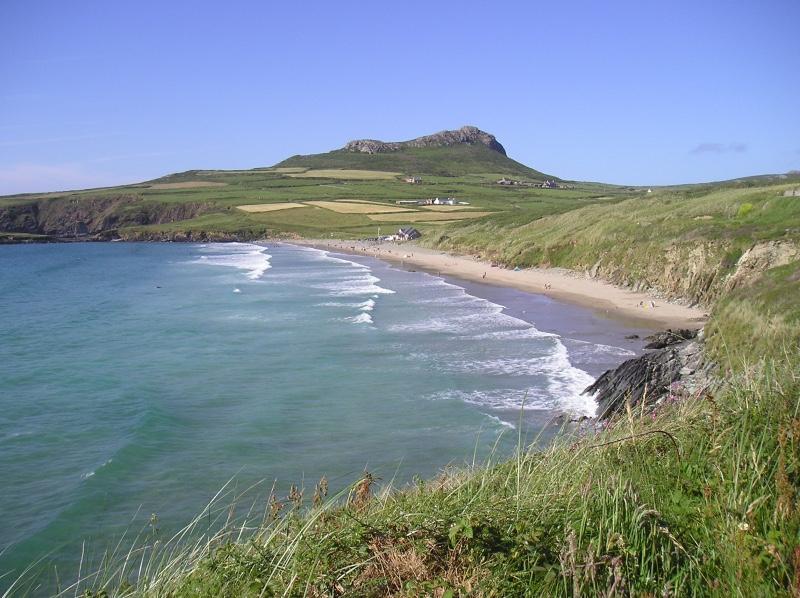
x=744 y=210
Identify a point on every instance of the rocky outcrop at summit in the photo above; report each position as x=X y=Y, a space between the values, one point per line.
x=465 y=135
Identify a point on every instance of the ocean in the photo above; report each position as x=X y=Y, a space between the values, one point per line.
x=139 y=379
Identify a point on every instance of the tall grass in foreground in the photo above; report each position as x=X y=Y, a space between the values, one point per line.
x=698 y=497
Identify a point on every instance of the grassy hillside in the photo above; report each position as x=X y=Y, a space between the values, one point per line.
x=205 y=203
x=441 y=161
x=682 y=242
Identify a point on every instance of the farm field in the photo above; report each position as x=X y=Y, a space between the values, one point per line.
x=187 y=185
x=269 y=207
x=334 y=173
x=262 y=203
x=427 y=216
x=343 y=207
x=447 y=208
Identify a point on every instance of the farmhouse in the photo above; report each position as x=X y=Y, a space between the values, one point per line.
x=408 y=233
x=414 y=180
x=436 y=201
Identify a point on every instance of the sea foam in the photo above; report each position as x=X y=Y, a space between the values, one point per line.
x=244 y=256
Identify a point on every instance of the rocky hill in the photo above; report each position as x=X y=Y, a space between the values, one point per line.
x=465 y=135
x=467 y=150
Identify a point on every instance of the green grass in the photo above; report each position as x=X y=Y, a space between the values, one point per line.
x=443 y=161
x=758 y=320
x=278 y=186
x=681 y=241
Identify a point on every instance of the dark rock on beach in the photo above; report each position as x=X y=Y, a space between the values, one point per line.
x=669 y=337
x=676 y=361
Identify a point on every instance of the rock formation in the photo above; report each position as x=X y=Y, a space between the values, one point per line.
x=676 y=361
x=465 y=135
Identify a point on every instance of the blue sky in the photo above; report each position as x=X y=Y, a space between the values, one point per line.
x=638 y=92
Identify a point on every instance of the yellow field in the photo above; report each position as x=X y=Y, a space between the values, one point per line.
x=426 y=217
x=364 y=175
x=289 y=169
x=187 y=185
x=270 y=207
x=374 y=203
x=446 y=208
x=355 y=208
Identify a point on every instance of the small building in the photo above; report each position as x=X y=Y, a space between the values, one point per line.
x=505 y=181
x=413 y=180
x=408 y=233
x=549 y=185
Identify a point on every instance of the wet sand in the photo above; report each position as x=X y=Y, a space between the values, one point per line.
x=635 y=309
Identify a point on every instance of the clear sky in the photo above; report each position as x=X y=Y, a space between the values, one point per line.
x=624 y=91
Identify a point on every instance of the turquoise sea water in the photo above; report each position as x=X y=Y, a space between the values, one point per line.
x=139 y=378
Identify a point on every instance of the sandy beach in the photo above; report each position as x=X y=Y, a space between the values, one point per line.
x=565 y=285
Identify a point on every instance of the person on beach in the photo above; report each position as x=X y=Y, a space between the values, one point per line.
x=484 y=275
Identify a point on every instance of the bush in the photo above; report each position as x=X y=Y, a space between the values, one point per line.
x=744 y=210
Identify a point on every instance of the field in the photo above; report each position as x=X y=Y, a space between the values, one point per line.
x=349 y=175
x=428 y=217
x=208 y=200
x=343 y=207
x=187 y=185
x=269 y=207
x=447 y=208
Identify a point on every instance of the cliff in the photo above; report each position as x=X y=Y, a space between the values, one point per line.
x=92 y=216
x=465 y=135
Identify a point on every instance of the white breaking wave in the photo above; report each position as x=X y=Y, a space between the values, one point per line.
x=587 y=349
x=503 y=423
x=515 y=334
x=244 y=256
x=358 y=277
x=564 y=383
x=479 y=319
x=325 y=256
x=502 y=398
x=367 y=305
x=361 y=285
x=362 y=318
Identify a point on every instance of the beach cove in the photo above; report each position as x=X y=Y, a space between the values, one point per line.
x=631 y=307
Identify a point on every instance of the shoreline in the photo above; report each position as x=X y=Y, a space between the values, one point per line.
x=636 y=309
